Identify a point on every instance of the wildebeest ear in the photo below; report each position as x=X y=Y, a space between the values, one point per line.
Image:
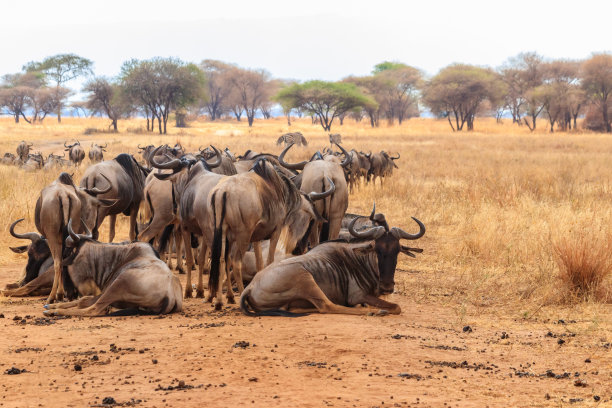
x=19 y=249
x=365 y=248
x=409 y=251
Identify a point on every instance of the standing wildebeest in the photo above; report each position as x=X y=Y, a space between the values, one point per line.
x=57 y=204
x=226 y=167
x=127 y=179
x=252 y=207
x=314 y=177
x=96 y=153
x=381 y=165
x=76 y=153
x=23 y=149
x=333 y=276
x=117 y=275
x=292 y=138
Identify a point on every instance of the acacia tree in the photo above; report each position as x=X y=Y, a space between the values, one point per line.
x=400 y=95
x=160 y=85
x=521 y=74
x=250 y=89
x=24 y=92
x=324 y=100
x=375 y=87
x=106 y=97
x=458 y=90
x=218 y=87
x=597 y=82
x=60 y=69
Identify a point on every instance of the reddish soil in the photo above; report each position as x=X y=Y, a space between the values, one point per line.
x=427 y=356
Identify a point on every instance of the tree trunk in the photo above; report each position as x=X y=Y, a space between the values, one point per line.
x=115 y=125
x=17 y=118
x=250 y=119
x=604 y=106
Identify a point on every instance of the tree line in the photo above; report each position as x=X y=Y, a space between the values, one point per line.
x=526 y=88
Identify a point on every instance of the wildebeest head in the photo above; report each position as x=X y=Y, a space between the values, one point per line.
x=386 y=244
x=180 y=165
x=38 y=251
x=316 y=156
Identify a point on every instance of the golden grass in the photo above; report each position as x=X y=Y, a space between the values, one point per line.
x=494 y=201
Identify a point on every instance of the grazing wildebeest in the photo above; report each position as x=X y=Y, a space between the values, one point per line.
x=332 y=277
x=23 y=149
x=292 y=138
x=76 y=153
x=314 y=177
x=116 y=276
x=252 y=207
x=9 y=158
x=381 y=165
x=127 y=179
x=57 y=203
x=96 y=153
x=34 y=162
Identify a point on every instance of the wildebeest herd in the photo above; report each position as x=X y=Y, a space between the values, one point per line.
x=30 y=161
x=218 y=212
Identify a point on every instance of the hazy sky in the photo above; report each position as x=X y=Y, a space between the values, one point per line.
x=314 y=39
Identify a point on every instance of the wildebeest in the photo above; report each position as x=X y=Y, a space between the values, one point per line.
x=226 y=167
x=332 y=277
x=76 y=153
x=358 y=168
x=252 y=207
x=161 y=152
x=381 y=165
x=335 y=139
x=127 y=179
x=116 y=276
x=315 y=176
x=8 y=158
x=292 y=138
x=55 y=161
x=35 y=161
x=57 y=204
x=23 y=149
x=96 y=152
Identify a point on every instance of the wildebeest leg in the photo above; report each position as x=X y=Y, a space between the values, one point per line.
x=202 y=256
x=392 y=308
x=272 y=248
x=258 y=256
x=230 y=265
x=57 y=290
x=188 y=259
x=81 y=303
x=178 y=246
x=222 y=272
x=133 y=226
x=112 y=219
x=41 y=285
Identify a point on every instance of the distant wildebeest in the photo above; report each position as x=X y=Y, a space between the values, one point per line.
x=55 y=161
x=315 y=176
x=76 y=153
x=127 y=179
x=57 y=204
x=358 y=168
x=249 y=208
x=160 y=152
x=116 y=276
x=35 y=161
x=96 y=152
x=8 y=158
x=332 y=277
x=381 y=166
x=335 y=139
x=292 y=138
x=23 y=149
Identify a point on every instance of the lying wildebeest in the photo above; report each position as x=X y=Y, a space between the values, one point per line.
x=314 y=177
x=252 y=207
x=96 y=152
x=54 y=161
x=34 y=162
x=292 y=138
x=332 y=277
x=76 y=153
x=127 y=179
x=116 y=276
x=9 y=158
x=57 y=203
x=23 y=149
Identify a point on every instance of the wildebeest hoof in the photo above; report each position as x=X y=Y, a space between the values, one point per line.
x=218 y=306
x=180 y=271
x=187 y=294
x=382 y=312
x=231 y=300
x=200 y=294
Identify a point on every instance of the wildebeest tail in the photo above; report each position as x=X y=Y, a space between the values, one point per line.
x=324 y=235
x=215 y=256
x=165 y=237
x=246 y=309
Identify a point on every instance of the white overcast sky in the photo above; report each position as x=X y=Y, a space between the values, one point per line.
x=313 y=39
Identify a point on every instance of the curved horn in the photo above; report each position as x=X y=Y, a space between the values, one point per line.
x=319 y=196
x=104 y=147
x=395 y=158
x=373 y=211
x=76 y=238
x=200 y=149
x=32 y=236
x=141 y=148
x=401 y=234
x=172 y=164
x=347 y=157
x=95 y=191
x=217 y=163
x=291 y=166
x=372 y=233
x=67 y=146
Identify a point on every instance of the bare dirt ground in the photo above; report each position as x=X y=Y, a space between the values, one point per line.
x=427 y=356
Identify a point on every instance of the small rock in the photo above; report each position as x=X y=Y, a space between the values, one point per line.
x=560 y=341
x=17 y=318
x=588 y=360
x=154 y=361
x=253 y=379
x=95 y=357
x=109 y=401
x=580 y=383
x=242 y=344
x=14 y=371
x=505 y=335
x=547 y=396
x=596 y=397
x=181 y=384
x=77 y=367
x=467 y=329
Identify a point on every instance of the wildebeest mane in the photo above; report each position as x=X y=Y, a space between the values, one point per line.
x=65 y=178
x=136 y=173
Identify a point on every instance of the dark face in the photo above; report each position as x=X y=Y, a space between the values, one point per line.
x=387 y=248
x=38 y=253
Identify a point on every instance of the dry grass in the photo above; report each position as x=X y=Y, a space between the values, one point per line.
x=495 y=201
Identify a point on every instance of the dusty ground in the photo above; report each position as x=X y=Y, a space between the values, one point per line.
x=428 y=356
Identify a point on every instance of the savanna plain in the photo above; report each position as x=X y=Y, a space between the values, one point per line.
x=508 y=305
